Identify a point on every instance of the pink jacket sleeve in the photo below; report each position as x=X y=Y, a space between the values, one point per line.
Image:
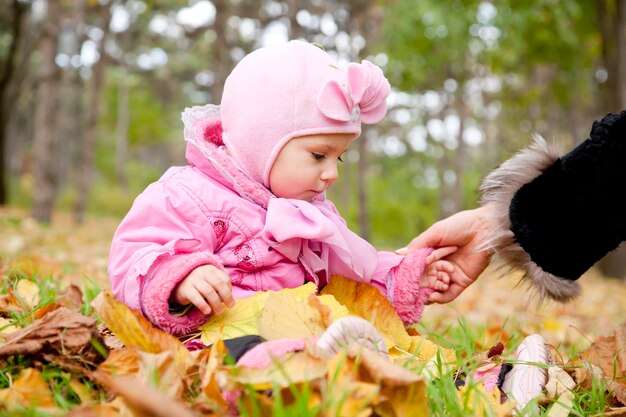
x=165 y=235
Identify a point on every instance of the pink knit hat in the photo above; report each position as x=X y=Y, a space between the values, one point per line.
x=295 y=89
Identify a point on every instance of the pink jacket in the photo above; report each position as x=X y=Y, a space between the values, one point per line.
x=209 y=213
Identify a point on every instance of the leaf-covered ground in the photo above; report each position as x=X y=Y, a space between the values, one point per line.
x=54 y=340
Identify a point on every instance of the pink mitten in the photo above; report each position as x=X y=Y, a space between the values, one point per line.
x=404 y=288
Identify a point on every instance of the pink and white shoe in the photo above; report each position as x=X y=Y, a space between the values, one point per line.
x=343 y=332
x=526 y=380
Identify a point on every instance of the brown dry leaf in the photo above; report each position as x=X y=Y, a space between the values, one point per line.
x=28 y=390
x=615 y=412
x=143 y=400
x=608 y=354
x=286 y=315
x=366 y=301
x=135 y=330
x=402 y=392
x=71 y=297
x=62 y=330
x=290 y=369
x=28 y=292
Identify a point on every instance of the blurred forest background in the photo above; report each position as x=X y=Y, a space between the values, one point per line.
x=91 y=93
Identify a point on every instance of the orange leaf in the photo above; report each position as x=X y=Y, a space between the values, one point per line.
x=135 y=330
x=366 y=301
x=28 y=390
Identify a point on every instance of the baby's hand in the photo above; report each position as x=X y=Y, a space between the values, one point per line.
x=206 y=287
x=438 y=271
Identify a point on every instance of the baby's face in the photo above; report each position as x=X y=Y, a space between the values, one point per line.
x=307 y=166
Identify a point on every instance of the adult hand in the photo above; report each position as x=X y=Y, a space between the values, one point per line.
x=206 y=287
x=468 y=231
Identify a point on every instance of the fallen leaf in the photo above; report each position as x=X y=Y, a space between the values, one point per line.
x=28 y=390
x=28 y=292
x=346 y=394
x=62 y=330
x=240 y=320
x=366 y=301
x=143 y=400
x=135 y=330
x=560 y=386
x=607 y=353
x=480 y=402
x=7 y=327
x=286 y=315
x=243 y=318
x=124 y=361
x=214 y=376
x=158 y=370
x=402 y=392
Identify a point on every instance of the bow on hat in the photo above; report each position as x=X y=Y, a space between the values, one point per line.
x=361 y=95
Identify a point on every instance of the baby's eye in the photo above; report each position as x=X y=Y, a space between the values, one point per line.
x=318 y=156
x=339 y=158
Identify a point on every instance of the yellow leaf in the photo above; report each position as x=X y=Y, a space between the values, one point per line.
x=425 y=357
x=135 y=330
x=6 y=326
x=337 y=310
x=240 y=320
x=28 y=390
x=243 y=318
x=287 y=315
x=28 y=291
x=480 y=402
x=366 y=301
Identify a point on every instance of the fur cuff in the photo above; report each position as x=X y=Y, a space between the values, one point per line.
x=404 y=289
x=159 y=284
x=498 y=189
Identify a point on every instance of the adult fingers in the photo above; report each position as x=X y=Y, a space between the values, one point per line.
x=440 y=253
x=444 y=297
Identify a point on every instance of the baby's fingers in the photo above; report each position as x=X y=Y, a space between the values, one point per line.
x=198 y=301
x=211 y=296
x=224 y=290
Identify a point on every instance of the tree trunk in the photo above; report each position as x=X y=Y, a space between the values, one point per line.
x=71 y=126
x=86 y=169
x=45 y=184
x=123 y=116
x=8 y=71
x=614 y=264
